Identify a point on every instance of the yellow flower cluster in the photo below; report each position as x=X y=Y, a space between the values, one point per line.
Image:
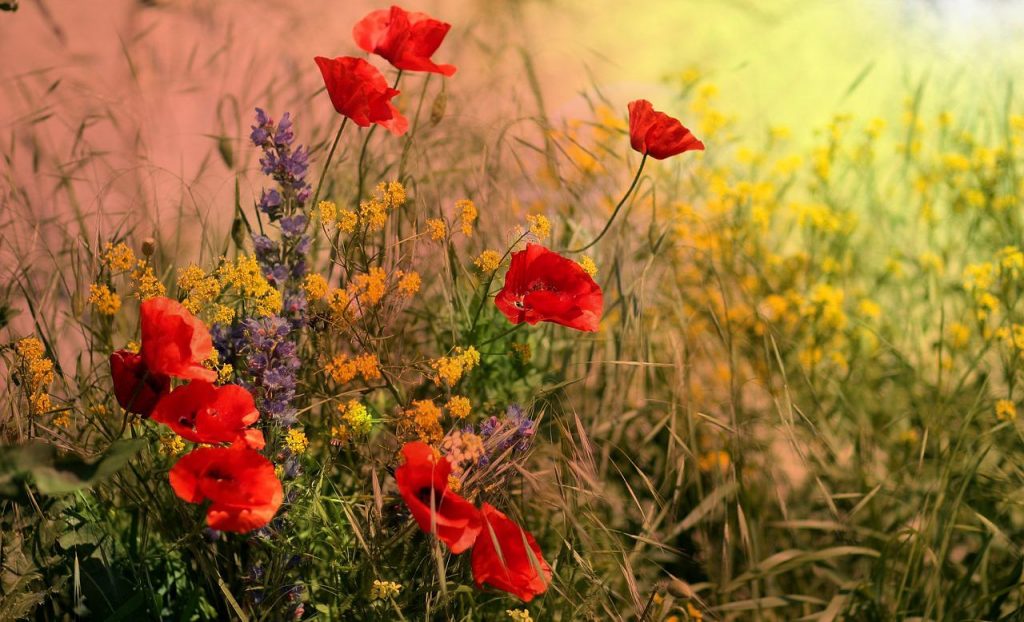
x=422 y=419
x=315 y=286
x=588 y=265
x=1006 y=410
x=369 y=288
x=36 y=373
x=344 y=369
x=328 y=211
x=450 y=369
x=467 y=215
x=245 y=277
x=200 y=289
x=117 y=257
x=488 y=261
x=172 y=445
x=106 y=301
x=458 y=406
x=540 y=226
x=519 y=615
x=408 y=283
x=383 y=590
x=296 y=441
x=145 y=283
x=436 y=229
x=356 y=421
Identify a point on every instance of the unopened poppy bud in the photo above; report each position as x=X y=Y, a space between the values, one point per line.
x=437 y=110
x=680 y=589
x=148 y=247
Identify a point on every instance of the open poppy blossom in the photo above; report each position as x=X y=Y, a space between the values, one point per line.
x=543 y=286
x=407 y=40
x=240 y=482
x=137 y=390
x=174 y=342
x=423 y=483
x=203 y=413
x=359 y=91
x=658 y=135
x=507 y=557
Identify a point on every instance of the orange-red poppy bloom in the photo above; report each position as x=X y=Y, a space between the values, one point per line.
x=174 y=342
x=359 y=91
x=543 y=286
x=658 y=135
x=240 y=483
x=423 y=483
x=203 y=413
x=507 y=557
x=407 y=40
x=136 y=388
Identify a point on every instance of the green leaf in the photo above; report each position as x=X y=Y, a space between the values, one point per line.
x=52 y=474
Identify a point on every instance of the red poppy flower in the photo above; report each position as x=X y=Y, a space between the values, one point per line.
x=174 y=342
x=423 y=483
x=203 y=413
x=136 y=388
x=657 y=134
x=359 y=91
x=407 y=40
x=543 y=286
x=241 y=484
x=507 y=557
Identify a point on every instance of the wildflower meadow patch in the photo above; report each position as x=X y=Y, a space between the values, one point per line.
x=642 y=360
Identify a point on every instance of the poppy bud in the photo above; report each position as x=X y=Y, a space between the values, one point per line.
x=148 y=247
x=437 y=110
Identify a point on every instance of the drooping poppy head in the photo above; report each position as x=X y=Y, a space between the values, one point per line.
x=204 y=413
x=407 y=40
x=543 y=286
x=240 y=483
x=174 y=342
x=507 y=557
x=657 y=134
x=359 y=91
x=136 y=388
x=423 y=483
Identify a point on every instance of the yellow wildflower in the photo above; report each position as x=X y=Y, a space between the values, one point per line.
x=959 y=335
x=36 y=372
x=105 y=301
x=488 y=261
x=467 y=215
x=328 y=212
x=145 y=283
x=383 y=590
x=409 y=284
x=519 y=615
x=869 y=309
x=296 y=441
x=436 y=229
x=540 y=226
x=347 y=220
x=1006 y=410
x=588 y=265
x=200 y=288
x=369 y=288
x=315 y=286
x=458 y=406
x=117 y=258
x=373 y=214
x=423 y=419
x=339 y=300
x=171 y=445
x=450 y=369
x=714 y=461
x=62 y=420
x=358 y=421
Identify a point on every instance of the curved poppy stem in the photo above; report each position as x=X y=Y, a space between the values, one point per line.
x=327 y=163
x=615 y=212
